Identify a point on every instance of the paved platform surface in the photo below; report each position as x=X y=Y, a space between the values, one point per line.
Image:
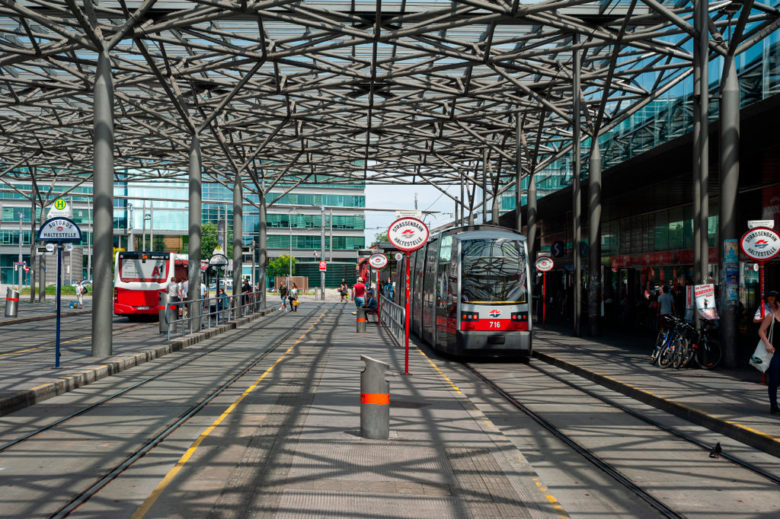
x=731 y=401
x=305 y=456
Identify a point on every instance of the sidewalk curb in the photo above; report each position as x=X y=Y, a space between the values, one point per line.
x=741 y=433
x=20 y=320
x=25 y=398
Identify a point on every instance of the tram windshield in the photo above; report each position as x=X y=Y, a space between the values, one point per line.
x=494 y=271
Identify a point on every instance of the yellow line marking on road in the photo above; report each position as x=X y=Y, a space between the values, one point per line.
x=69 y=341
x=157 y=492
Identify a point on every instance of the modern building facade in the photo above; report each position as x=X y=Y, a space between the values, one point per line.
x=154 y=216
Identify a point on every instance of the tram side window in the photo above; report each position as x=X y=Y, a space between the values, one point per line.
x=442 y=271
x=494 y=271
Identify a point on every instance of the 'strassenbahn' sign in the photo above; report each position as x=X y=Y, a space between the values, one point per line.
x=407 y=234
x=760 y=244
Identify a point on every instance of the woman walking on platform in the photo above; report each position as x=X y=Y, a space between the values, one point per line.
x=768 y=325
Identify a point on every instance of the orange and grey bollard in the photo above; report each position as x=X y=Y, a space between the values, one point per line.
x=361 y=320
x=374 y=400
x=12 y=303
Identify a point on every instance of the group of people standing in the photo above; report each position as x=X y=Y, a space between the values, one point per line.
x=289 y=296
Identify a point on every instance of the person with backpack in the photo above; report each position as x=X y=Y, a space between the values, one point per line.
x=80 y=291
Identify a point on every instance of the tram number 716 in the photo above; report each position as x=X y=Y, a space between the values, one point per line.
x=495 y=325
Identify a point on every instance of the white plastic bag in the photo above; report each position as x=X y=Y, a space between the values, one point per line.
x=761 y=358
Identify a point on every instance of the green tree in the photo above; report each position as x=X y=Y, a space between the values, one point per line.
x=280 y=267
x=208 y=240
x=380 y=237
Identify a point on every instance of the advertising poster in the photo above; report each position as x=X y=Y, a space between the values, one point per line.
x=732 y=283
x=731 y=251
x=705 y=301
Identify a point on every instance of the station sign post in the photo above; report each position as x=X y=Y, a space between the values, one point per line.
x=59 y=231
x=407 y=235
x=760 y=244
x=378 y=262
x=544 y=265
x=217 y=260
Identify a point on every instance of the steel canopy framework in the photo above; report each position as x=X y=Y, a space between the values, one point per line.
x=325 y=91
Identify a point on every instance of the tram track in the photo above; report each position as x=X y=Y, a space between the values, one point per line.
x=7 y=445
x=599 y=461
x=586 y=453
x=70 y=340
x=166 y=430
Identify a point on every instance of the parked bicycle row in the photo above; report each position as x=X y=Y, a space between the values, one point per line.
x=679 y=344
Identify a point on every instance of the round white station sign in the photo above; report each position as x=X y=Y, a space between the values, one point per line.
x=407 y=234
x=377 y=261
x=760 y=244
x=544 y=264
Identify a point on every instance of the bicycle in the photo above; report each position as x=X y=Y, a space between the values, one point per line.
x=667 y=342
x=707 y=350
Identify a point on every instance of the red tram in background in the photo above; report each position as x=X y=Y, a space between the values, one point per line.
x=140 y=276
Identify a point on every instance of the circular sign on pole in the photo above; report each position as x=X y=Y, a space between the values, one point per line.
x=399 y=256
x=377 y=261
x=760 y=244
x=544 y=264
x=323 y=266
x=218 y=260
x=407 y=234
x=60 y=204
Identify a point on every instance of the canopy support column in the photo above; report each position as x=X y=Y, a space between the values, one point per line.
x=262 y=243
x=576 y=197
x=518 y=175
x=238 y=232
x=729 y=180
x=594 y=237
x=103 y=196
x=195 y=195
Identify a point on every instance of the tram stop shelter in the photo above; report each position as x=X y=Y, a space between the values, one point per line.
x=255 y=94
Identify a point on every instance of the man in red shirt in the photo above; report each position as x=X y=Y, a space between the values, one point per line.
x=359 y=293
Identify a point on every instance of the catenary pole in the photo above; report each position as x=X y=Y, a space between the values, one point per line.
x=194 y=252
x=322 y=251
x=103 y=188
x=704 y=147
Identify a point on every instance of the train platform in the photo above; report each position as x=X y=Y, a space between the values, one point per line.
x=285 y=441
x=733 y=402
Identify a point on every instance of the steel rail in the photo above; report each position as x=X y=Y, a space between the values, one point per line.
x=579 y=449
x=117 y=394
x=168 y=430
x=687 y=437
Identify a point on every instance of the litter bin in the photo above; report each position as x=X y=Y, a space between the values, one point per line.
x=374 y=400
x=11 y=302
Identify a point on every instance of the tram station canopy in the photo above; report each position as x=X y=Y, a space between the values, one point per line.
x=332 y=91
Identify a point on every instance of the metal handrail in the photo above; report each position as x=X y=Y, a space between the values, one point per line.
x=211 y=311
x=393 y=317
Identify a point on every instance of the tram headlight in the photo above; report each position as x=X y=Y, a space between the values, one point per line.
x=469 y=317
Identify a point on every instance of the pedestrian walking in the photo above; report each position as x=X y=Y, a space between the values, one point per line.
x=293 y=297
x=766 y=333
x=80 y=294
x=665 y=306
x=173 y=292
x=359 y=292
x=343 y=291
x=283 y=295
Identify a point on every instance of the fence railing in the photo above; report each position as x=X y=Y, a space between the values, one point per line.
x=393 y=317
x=211 y=311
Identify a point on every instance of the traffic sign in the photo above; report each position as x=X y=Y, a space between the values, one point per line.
x=68 y=247
x=60 y=209
x=378 y=261
x=760 y=244
x=323 y=266
x=49 y=247
x=557 y=249
x=59 y=230
x=60 y=204
x=544 y=264
x=407 y=234
x=399 y=256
